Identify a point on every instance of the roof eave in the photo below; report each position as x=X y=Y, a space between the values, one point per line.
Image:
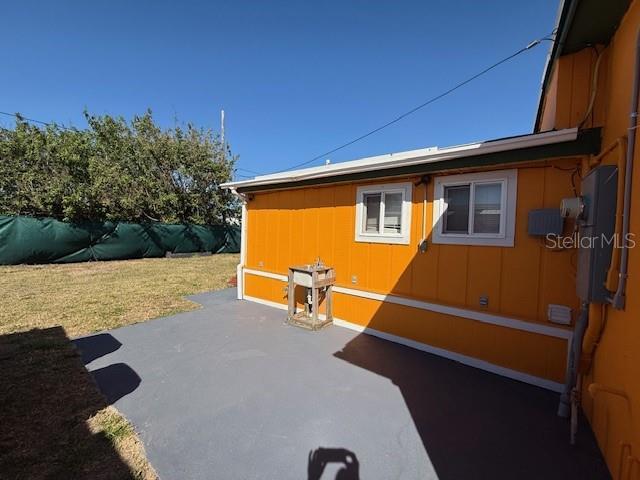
x=528 y=148
x=566 y=10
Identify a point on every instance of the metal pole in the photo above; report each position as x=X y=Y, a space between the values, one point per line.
x=222 y=131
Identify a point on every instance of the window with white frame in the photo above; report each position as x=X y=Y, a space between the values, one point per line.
x=475 y=208
x=383 y=213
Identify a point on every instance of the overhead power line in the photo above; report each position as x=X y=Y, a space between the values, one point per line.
x=425 y=103
x=33 y=120
x=248 y=171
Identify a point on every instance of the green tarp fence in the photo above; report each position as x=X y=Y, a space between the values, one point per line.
x=46 y=240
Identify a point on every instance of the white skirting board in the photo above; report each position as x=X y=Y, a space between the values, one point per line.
x=464 y=359
x=484 y=317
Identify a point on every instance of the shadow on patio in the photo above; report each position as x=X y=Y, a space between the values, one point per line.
x=47 y=398
x=475 y=424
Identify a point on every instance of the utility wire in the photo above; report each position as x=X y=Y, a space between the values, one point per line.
x=248 y=171
x=33 y=120
x=431 y=100
x=425 y=103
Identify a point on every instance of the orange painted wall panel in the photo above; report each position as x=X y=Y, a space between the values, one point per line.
x=569 y=90
x=523 y=351
x=296 y=226
x=452 y=274
x=520 y=281
x=484 y=272
x=617 y=358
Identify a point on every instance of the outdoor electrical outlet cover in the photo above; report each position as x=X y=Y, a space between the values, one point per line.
x=484 y=301
x=354 y=279
x=423 y=246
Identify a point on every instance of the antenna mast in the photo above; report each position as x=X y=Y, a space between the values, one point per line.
x=222 y=130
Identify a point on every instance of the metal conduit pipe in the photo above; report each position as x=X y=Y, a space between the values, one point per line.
x=614 y=269
x=618 y=300
x=575 y=352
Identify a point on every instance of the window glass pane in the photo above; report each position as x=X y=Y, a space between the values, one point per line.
x=486 y=208
x=371 y=215
x=392 y=212
x=456 y=217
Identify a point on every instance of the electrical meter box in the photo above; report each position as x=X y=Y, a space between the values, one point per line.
x=596 y=239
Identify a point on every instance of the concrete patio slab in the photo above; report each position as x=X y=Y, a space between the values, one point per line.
x=229 y=391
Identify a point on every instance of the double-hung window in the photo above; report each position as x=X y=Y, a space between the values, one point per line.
x=383 y=213
x=475 y=208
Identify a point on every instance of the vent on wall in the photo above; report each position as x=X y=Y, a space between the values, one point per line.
x=560 y=314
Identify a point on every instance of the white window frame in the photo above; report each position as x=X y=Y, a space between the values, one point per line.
x=402 y=238
x=505 y=237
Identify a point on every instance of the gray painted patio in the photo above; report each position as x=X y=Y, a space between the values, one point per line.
x=229 y=391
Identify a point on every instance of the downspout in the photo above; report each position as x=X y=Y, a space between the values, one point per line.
x=243 y=246
x=618 y=300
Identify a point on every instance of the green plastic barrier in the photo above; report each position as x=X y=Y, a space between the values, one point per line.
x=46 y=240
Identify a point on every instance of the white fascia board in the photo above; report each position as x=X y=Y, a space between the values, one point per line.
x=409 y=158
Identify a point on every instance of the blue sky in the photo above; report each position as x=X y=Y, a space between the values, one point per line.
x=295 y=78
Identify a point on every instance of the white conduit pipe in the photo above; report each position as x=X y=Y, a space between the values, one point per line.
x=594 y=90
x=424 y=214
x=424 y=181
x=618 y=300
x=243 y=246
x=575 y=351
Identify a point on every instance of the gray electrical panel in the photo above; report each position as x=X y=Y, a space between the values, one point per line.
x=596 y=228
x=545 y=221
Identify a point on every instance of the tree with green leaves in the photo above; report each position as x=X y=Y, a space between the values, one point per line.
x=116 y=170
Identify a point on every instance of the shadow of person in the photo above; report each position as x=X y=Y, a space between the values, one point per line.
x=116 y=380
x=321 y=457
x=96 y=346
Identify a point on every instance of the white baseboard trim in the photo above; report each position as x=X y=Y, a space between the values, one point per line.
x=458 y=357
x=483 y=317
x=464 y=359
x=260 y=273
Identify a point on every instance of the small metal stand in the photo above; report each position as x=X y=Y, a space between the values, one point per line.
x=317 y=278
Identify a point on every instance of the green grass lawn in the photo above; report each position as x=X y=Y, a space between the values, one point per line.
x=55 y=422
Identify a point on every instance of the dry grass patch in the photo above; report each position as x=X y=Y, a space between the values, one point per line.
x=88 y=297
x=54 y=421
x=122 y=436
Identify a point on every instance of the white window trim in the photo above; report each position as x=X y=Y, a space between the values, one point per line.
x=402 y=238
x=506 y=237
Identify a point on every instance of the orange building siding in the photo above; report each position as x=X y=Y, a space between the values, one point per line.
x=297 y=226
x=614 y=418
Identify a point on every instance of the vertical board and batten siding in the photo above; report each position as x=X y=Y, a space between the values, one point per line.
x=616 y=365
x=296 y=226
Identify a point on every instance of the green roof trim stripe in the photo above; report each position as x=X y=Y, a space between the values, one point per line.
x=587 y=142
